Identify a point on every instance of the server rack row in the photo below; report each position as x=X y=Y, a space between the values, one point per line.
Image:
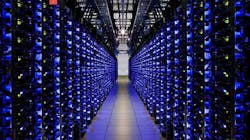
x=54 y=74
x=193 y=75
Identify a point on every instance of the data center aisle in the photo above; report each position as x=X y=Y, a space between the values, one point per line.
x=123 y=117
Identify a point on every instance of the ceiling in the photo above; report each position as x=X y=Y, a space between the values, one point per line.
x=132 y=16
x=123 y=12
x=123 y=21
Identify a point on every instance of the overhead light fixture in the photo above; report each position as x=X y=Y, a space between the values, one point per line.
x=123 y=31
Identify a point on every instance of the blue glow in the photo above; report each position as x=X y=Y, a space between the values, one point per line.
x=6 y=65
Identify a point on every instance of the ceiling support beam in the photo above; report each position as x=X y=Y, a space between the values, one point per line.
x=103 y=9
x=143 y=6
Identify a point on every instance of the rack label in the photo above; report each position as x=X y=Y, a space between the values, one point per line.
x=52 y=2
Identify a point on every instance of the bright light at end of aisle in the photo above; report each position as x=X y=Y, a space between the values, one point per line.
x=123 y=31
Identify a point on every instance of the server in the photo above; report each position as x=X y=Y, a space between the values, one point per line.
x=193 y=75
x=54 y=74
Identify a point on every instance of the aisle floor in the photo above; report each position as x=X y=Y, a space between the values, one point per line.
x=123 y=117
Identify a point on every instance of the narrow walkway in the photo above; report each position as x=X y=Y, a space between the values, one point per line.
x=123 y=117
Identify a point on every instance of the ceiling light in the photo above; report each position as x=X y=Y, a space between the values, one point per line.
x=123 y=31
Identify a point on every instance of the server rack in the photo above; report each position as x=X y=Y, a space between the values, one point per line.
x=49 y=63
x=51 y=71
x=180 y=72
x=198 y=69
x=241 y=79
x=206 y=48
x=169 y=79
x=66 y=74
x=5 y=72
x=38 y=67
x=189 y=69
x=24 y=107
x=209 y=82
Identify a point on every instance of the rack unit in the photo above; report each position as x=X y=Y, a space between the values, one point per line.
x=204 y=70
x=55 y=75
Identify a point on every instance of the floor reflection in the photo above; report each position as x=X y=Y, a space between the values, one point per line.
x=123 y=117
